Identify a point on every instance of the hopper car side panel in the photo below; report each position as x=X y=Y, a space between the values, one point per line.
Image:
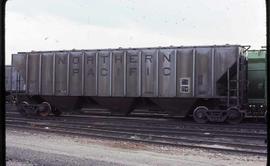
x=133 y=73
x=145 y=73
x=199 y=74
x=89 y=78
x=8 y=82
x=167 y=73
x=13 y=80
x=47 y=73
x=13 y=84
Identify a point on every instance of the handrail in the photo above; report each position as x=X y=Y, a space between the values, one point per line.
x=246 y=48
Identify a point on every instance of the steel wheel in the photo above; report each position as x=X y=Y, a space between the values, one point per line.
x=44 y=109
x=22 y=108
x=56 y=112
x=199 y=114
x=234 y=116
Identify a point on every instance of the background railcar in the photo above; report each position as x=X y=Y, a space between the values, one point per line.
x=207 y=81
x=257 y=86
x=14 y=84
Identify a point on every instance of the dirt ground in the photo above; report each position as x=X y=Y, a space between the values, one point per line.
x=40 y=148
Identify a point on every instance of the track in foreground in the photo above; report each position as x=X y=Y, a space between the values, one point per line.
x=225 y=138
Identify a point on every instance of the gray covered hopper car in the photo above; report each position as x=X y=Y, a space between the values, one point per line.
x=208 y=81
x=13 y=83
x=13 y=80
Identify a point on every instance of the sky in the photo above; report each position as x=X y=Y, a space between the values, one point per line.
x=41 y=25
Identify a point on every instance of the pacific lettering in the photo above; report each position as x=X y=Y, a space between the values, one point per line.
x=166 y=71
x=132 y=70
x=103 y=72
x=147 y=71
x=76 y=71
x=91 y=72
x=76 y=60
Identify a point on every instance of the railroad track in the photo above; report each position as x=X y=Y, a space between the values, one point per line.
x=169 y=130
x=161 y=122
x=241 y=141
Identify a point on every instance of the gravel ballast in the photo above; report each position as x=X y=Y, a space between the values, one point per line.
x=25 y=147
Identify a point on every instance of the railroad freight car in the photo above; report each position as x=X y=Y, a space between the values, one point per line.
x=257 y=86
x=209 y=82
x=13 y=84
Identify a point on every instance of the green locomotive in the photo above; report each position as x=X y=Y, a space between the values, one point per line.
x=257 y=87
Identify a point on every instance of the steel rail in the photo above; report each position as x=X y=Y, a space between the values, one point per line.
x=158 y=136
x=130 y=132
x=153 y=129
x=166 y=122
x=135 y=138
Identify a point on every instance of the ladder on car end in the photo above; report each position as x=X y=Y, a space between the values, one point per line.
x=232 y=88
